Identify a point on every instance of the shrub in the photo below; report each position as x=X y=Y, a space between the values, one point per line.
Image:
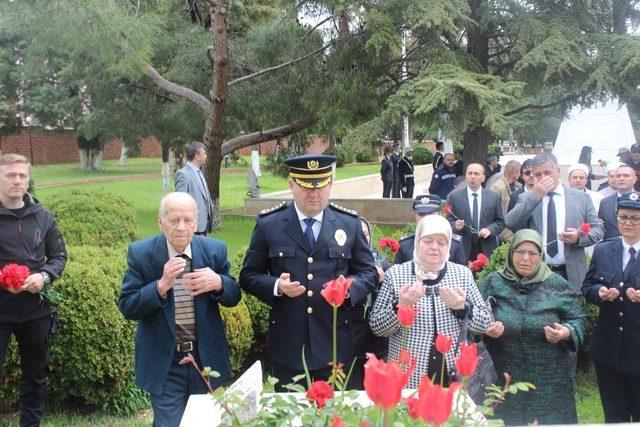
x=421 y=155
x=239 y=333
x=258 y=311
x=91 y=358
x=346 y=154
x=95 y=218
x=366 y=154
x=497 y=261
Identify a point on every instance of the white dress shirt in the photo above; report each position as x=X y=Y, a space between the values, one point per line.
x=559 y=201
x=470 y=199
x=317 y=225
x=625 y=252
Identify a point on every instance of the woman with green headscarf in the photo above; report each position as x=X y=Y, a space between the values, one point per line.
x=538 y=321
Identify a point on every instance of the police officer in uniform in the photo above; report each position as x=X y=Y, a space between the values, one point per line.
x=428 y=204
x=295 y=249
x=613 y=284
x=405 y=167
x=395 y=159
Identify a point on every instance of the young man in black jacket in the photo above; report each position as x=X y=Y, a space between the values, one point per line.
x=30 y=237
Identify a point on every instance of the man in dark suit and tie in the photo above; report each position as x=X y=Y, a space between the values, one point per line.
x=386 y=173
x=557 y=212
x=395 y=159
x=294 y=250
x=190 y=179
x=625 y=178
x=613 y=284
x=476 y=214
x=173 y=287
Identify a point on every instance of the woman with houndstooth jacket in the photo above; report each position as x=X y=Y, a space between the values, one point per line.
x=442 y=291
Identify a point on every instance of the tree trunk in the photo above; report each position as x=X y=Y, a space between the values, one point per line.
x=478 y=40
x=476 y=143
x=166 y=177
x=213 y=136
x=123 y=155
x=84 y=159
x=97 y=159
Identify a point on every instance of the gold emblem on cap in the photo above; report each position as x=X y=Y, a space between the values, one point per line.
x=340 y=236
x=313 y=164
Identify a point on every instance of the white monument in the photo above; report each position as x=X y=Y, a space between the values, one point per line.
x=605 y=128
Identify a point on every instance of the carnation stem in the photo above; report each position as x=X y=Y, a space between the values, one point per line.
x=444 y=358
x=334 y=368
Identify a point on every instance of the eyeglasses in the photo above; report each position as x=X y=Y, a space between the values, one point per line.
x=526 y=173
x=530 y=254
x=634 y=220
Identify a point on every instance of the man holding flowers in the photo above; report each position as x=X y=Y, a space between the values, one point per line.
x=32 y=254
x=294 y=250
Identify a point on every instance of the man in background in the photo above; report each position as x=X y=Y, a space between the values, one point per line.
x=30 y=237
x=625 y=181
x=407 y=181
x=386 y=173
x=190 y=180
x=443 y=178
x=395 y=159
x=502 y=187
x=438 y=157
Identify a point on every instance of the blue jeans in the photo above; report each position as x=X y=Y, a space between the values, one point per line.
x=182 y=381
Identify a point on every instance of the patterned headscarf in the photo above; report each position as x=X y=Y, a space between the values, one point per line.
x=428 y=226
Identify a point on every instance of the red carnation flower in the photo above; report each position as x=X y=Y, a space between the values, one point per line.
x=447 y=208
x=407 y=315
x=443 y=343
x=319 y=392
x=482 y=258
x=586 y=228
x=335 y=291
x=392 y=244
x=14 y=275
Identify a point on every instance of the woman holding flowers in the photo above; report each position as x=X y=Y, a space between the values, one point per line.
x=424 y=297
x=539 y=321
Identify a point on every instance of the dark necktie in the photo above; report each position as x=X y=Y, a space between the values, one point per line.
x=187 y=267
x=308 y=232
x=552 y=228
x=632 y=258
x=474 y=212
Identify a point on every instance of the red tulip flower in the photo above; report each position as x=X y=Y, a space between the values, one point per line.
x=337 y=421
x=335 y=291
x=443 y=343
x=586 y=228
x=447 y=208
x=14 y=275
x=434 y=403
x=467 y=362
x=407 y=315
x=405 y=357
x=319 y=392
x=384 y=382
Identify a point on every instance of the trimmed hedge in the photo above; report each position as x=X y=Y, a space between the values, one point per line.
x=258 y=311
x=239 y=333
x=421 y=155
x=95 y=218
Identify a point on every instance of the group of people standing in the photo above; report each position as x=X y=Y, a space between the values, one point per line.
x=397 y=173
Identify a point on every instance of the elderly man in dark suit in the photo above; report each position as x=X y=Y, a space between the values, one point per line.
x=423 y=205
x=476 y=214
x=625 y=178
x=190 y=179
x=173 y=287
x=557 y=212
x=294 y=250
x=613 y=284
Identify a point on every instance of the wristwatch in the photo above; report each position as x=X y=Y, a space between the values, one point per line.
x=46 y=279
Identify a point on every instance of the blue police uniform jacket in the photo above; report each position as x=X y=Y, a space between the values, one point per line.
x=616 y=338
x=278 y=246
x=155 y=337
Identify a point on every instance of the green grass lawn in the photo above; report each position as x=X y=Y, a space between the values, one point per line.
x=61 y=172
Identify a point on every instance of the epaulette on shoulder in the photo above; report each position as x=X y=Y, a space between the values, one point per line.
x=345 y=210
x=456 y=237
x=406 y=236
x=272 y=209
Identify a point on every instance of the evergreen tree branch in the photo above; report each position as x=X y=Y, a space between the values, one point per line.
x=542 y=106
x=279 y=66
x=268 y=135
x=176 y=89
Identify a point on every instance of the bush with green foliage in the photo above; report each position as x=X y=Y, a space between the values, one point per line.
x=239 y=333
x=421 y=155
x=366 y=154
x=95 y=218
x=346 y=154
x=258 y=310
x=91 y=359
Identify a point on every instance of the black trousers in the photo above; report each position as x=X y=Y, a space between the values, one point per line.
x=395 y=193
x=619 y=394
x=285 y=376
x=386 y=189
x=409 y=193
x=32 y=338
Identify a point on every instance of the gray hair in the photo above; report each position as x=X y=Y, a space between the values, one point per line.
x=178 y=197
x=512 y=167
x=543 y=158
x=192 y=149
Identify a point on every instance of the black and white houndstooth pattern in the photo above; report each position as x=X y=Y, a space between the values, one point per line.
x=384 y=321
